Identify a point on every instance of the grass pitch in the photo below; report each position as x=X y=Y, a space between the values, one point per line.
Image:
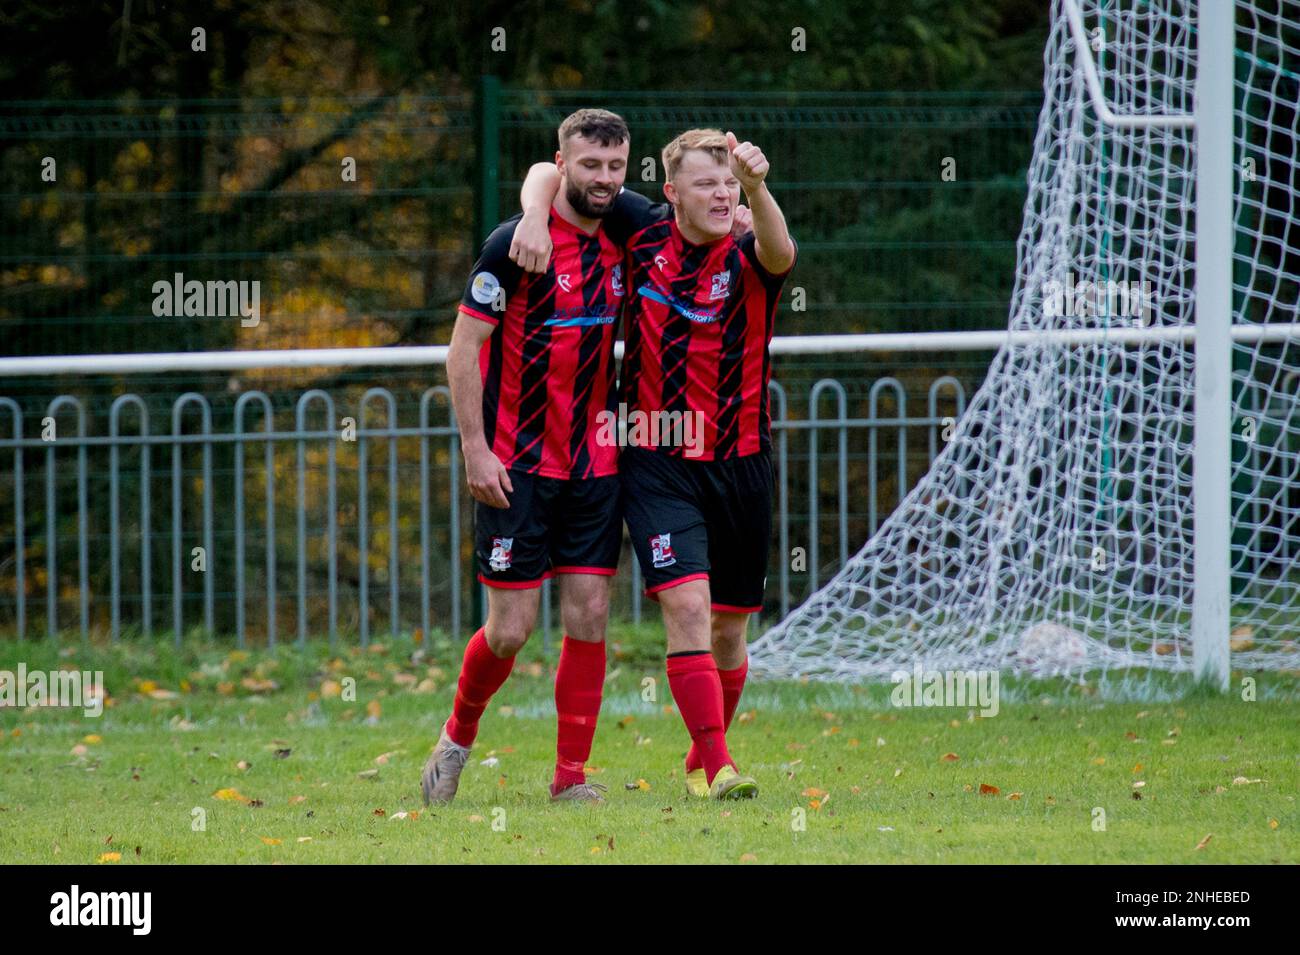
x=212 y=755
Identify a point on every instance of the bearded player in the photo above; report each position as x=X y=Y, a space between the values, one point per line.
x=531 y=366
x=699 y=323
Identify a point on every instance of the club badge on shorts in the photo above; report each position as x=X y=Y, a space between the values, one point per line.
x=661 y=551
x=501 y=548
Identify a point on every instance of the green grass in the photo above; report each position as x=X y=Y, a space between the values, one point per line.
x=892 y=796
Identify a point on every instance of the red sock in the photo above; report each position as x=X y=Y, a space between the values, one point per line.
x=733 y=684
x=481 y=675
x=697 y=691
x=579 y=680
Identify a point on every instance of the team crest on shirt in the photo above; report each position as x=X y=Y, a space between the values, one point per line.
x=721 y=286
x=563 y=282
x=501 y=553
x=616 y=280
x=661 y=551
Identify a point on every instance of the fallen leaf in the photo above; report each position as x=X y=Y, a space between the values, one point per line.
x=110 y=857
x=814 y=793
x=230 y=795
x=749 y=857
x=1015 y=795
x=1242 y=638
x=949 y=758
x=383 y=758
x=1243 y=781
x=1206 y=841
x=1272 y=823
x=91 y=739
x=304 y=838
x=987 y=790
x=271 y=842
x=475 y=818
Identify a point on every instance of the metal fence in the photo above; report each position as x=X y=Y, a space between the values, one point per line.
x=98 y=525
x=315 y=518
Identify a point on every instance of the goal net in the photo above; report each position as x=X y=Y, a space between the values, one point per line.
x=1054 y=533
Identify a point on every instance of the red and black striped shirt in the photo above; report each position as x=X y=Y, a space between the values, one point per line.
x=548 y=366
x=699 y=319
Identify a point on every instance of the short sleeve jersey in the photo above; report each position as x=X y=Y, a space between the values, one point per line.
x=548 y=366
x=698 y=323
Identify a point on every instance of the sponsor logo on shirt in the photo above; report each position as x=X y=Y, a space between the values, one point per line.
x=689 y=312
x=584 y=315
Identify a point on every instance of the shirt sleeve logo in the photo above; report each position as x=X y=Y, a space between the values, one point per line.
x=485 y=287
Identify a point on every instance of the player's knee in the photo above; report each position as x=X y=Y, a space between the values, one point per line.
x=728 y=630
x=589 y=621
x=687 y=608
x=507 y=637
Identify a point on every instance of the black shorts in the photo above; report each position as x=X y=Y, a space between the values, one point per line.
x=552 y=526
x=692 y=520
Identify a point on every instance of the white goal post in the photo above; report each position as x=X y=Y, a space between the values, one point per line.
x=1096 y=511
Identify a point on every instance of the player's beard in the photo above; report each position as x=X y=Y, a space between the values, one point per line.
x=582 y=205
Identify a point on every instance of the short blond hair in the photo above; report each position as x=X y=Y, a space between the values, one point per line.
x=711 y=141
